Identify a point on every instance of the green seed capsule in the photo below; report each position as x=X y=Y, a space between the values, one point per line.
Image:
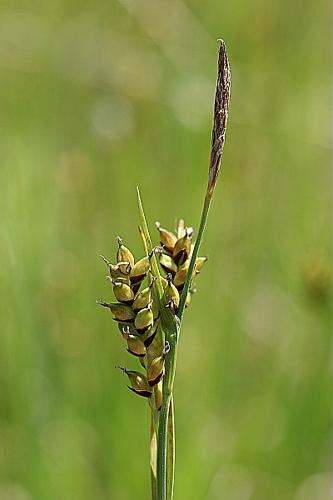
x=182 y=249
x=124 y=254
x=199 y=263
x=155 y=370
x=121 y=312
x=171 y=294
x=168 y=264
x=144 y=319
x=140 y=270
x=117 y=271
x=136 y=346
x=139 y=383
x=142 y=299
x=124 y=270
x=167 y=239
x=123 y=292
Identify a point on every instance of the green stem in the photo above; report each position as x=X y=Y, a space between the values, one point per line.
x=162 y=442
x=162 y=451
x=188 y=281
x=171 y=452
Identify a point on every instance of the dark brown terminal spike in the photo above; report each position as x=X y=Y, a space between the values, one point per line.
x=221 y=109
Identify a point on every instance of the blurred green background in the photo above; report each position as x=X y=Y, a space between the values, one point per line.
x=97 y=97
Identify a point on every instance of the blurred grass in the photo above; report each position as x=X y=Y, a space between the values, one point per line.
x=96 y=99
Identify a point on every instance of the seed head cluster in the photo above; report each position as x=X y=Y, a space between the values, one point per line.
x=175 y=259
x=137 y=310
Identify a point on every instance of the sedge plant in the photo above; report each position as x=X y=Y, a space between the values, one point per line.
x=151 y=295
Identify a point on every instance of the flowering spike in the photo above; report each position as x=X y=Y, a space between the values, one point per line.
x=221 y=109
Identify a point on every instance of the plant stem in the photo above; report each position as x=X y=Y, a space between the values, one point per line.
x=171 y=451
x=162 y=451
x=162 y=442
